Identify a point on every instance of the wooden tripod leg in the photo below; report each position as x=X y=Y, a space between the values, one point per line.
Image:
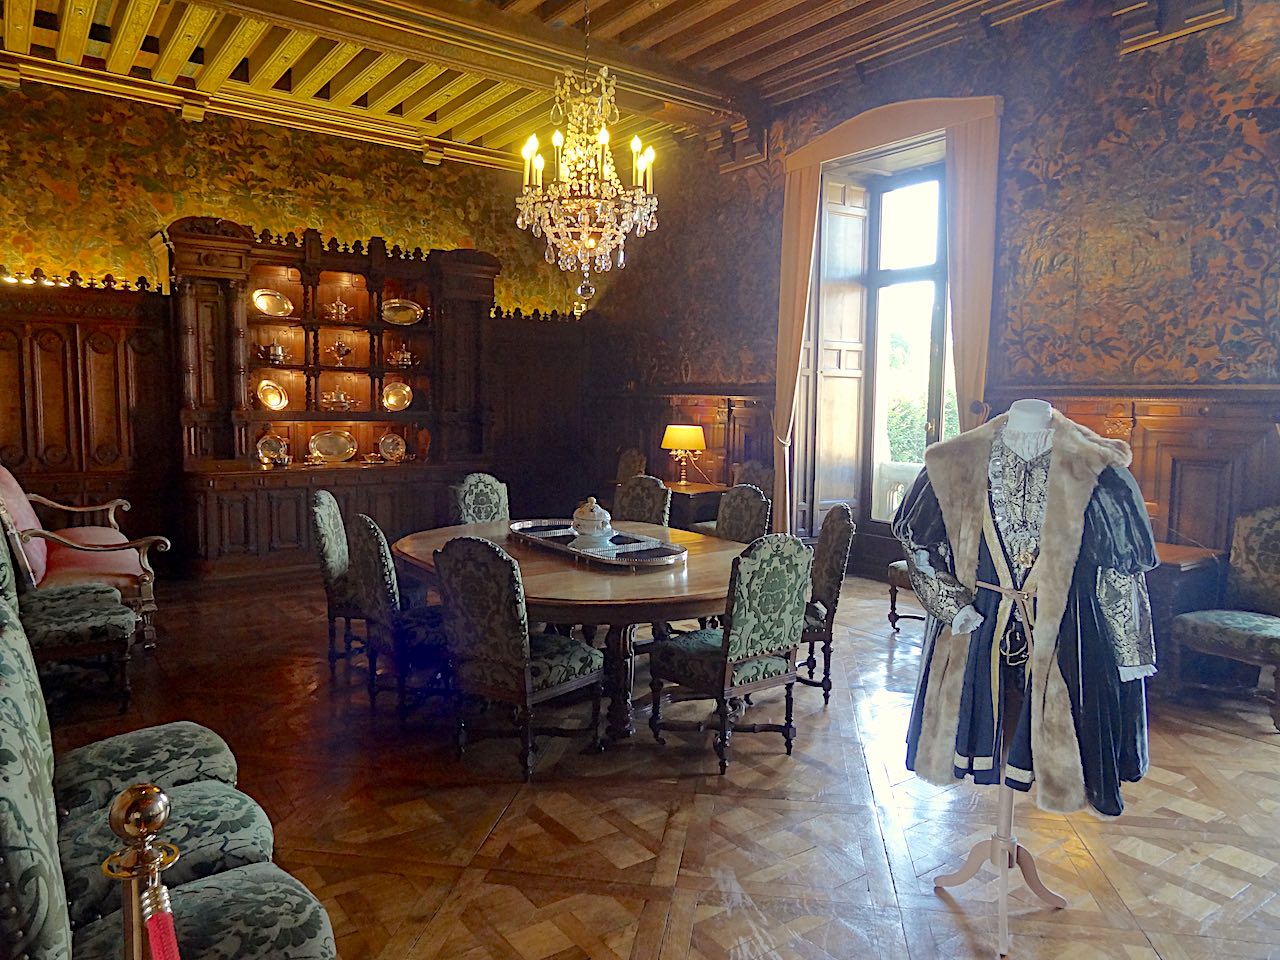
x=979 y=855
x=1031 y=877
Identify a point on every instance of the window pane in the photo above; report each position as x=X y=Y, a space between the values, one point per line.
x=904 y=321
x=909 y=226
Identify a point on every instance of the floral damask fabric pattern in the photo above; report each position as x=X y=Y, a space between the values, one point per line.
x=768 y=591
x=643 y=499
x=743 y=514
x=1253 y=581
x=479 y=498
x=830 y=558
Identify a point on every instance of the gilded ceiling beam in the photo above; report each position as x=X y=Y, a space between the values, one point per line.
x=473 y=131
x=401 y=85
x=273 y=57
x=428 y=100
x=509 y=137
x=611 y=23
x=360 y=77
x=128 y=30
x=481 y=102
x=319 y=66
x=242 y=101
x=676 y=21
x=19 y=19
x=74 y=19
x=478 y=38
x=228 y=46
x=181 y=36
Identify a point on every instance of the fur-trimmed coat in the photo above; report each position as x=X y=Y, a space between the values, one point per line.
x=1084 y=728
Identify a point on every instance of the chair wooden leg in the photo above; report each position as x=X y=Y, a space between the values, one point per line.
x=811 y=663
x=826 y=669
x=347 y=636
x=333 y=646
x=589 y=632
x=126 y=686
x=459 y=730
x=655 y=715
x=526 y=743
x=373 y=678
x=893 y=606
x=724 y=712
x=597 y=743
x=789 y=727
x=1275 y=702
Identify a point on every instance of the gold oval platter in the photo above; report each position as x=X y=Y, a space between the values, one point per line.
x=401 y=312
x=272 y=446
x=332 y=446
x=272 y=396
x=397 y=396
x=272 y=303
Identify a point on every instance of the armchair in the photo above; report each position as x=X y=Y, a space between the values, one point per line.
x=81 y=555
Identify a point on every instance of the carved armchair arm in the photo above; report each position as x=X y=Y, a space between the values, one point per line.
x=110 y=507
x=143 y=545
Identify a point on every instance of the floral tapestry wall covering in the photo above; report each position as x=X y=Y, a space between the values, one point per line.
x=88 y=179
x=1139 y=199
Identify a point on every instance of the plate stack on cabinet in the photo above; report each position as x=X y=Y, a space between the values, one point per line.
x=307 y=364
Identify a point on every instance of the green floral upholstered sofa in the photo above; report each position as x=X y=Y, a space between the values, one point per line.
x=229 y=900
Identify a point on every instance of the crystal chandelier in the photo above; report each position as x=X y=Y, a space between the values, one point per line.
x=584 y=211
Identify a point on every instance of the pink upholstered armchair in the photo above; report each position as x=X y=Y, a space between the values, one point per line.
x=87 y=554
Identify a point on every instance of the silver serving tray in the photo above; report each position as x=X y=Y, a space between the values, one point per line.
x=624 y=549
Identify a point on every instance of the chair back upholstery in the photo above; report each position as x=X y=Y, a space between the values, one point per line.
x=755 y=473
x=768 y=590
x=34 y=917
x=743 y=514
x=33 y=556
x=479 y=498
x=831 y=556
x=8 y=566
x=631 y=462
x=373 y=571
x=484 y=612
x=1253 y=578
x=644 y=499
x=331 y=539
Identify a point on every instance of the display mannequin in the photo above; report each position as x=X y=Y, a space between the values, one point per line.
x=1027 y=540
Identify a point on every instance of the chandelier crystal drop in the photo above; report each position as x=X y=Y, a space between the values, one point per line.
x=580 y=205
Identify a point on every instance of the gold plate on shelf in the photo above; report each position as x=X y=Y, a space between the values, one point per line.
x=272 y=446
x=272 y=303
x=401 y=312
x=397 y=396
x=272 y=396
x=392 y=447
x=332 y=446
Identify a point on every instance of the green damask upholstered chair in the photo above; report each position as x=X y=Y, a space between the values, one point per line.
x=830 y=559
x=413 y=637
x=76 y=622
x=631 y=463
x=755 y=473
x=479 y=498
x=55 y=902
x=1249 y=629
x=755 y=650
x=643 y=499
x=335 y=565
x=743 y=515
x=494 y=655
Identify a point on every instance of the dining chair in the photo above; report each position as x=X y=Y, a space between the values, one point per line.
x=1248 y=630
x=830 y=559
x=643 y=499
x=479 y=498
x=631 y=463
x=756 y=473
x=494 y=654
x=743 y=515
x=754 y=650
x=412 y=636
x=335 y=566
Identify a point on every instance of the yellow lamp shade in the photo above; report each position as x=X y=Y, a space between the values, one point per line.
x=680 y=436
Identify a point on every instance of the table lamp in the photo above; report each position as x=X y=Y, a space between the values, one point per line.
x=684 y=441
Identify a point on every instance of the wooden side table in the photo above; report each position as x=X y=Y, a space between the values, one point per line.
x=694 y=502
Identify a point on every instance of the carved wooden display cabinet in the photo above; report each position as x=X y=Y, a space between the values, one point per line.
x=334 y=368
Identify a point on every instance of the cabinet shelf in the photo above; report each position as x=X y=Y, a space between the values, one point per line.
x=260 y=320
x=388 y=416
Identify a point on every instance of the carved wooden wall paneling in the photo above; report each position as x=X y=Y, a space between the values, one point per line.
x=1201 y=459
x=14 y=432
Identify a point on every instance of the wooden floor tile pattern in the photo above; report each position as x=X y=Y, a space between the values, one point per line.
x=645 y=853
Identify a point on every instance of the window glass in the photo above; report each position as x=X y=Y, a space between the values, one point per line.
x=909 y=226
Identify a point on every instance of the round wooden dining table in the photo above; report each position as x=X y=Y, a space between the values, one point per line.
x=562 y=589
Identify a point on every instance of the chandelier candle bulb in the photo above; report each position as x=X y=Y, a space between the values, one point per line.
x=636 y=146
x=557 y=141
x=538 y=164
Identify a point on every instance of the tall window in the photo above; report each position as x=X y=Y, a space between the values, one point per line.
x=913 y=400
x=876 y=382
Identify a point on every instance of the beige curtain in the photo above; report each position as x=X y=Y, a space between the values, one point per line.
x=883 y=126
x=973 y=160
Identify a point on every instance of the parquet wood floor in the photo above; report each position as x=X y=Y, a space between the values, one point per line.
x=643 y=852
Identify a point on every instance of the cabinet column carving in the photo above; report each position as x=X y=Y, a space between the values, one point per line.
x=187 y=341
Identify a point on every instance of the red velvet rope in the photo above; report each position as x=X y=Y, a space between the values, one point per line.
x=162 y=937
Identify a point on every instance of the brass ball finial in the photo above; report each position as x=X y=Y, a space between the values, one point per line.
x=139 y=813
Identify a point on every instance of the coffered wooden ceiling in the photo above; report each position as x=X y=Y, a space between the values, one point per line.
x=469 y=79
